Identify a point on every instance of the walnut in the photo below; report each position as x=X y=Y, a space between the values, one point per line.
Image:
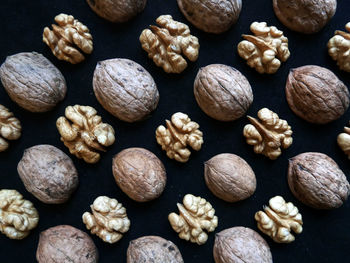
x=108 y=219
x=166 y=43
x=266 y=49
x=339 y=48
x=279 y=219
x=17 y=216
x=10 y=127
x=66 y=38
x=180 y=132
x=343 y=140
x=195 y=216
x=268 y=134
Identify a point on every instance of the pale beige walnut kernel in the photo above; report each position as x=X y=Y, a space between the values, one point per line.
x=84 y=133
x=266 y=49
x=268 y=134
x=168 y=43
x=195 y=216
x=344 y=141
x=17 y=216
x=279 y=219
x=69 y=39
x=339 y=48
x=108 y=220
x=10 y=127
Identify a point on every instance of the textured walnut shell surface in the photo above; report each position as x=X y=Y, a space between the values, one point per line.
x=66 y=244
x=125 y=89
x=139 y=174
x=48 y=173
x=32 y=81
x=222 y=92
x=229 y=177
x=316 y=95
x=153 y=249
x=241 y=245
x=317 y=181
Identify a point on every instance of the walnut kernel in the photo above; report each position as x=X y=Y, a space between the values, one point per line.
x=343 y=141
x=339 y=48
x=10 y=127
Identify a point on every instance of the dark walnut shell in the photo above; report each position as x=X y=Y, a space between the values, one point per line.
x=153 y=249
x=317 y=181
x=48 y=173
x=222 y=92
x=32 y=81
x=316 y=95
x=305 y=16
x=139 y=174
x=229 y=177
x=241 y=244
x=66 y=244
x=212 y=16
x=125 y=89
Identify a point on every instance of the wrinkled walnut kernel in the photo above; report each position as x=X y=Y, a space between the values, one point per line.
x=339 y=48
x=10 y=127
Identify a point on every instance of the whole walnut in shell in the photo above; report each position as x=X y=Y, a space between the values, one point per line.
x=316 y=95
x=139 y=174
x=125 y=89
x=229 y=177
x=222 y=92
x=32 y=81
x=48 y=173
x=317 y=181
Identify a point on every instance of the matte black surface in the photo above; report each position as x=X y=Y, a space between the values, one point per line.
x=326 y=235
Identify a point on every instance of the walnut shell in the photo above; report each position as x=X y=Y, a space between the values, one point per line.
x=317 y=181
x=153 y=249
x=48 y=173
x=139 y=174
x=316 y=95
x=229 y=177
x=222 y=92
x=66 y=244
x=241 y=244
x=212 y=16
x=32 y=81
x=125 y=89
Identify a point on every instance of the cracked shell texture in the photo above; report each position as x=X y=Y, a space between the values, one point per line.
x=241 y=245
x=153 y=249
x=212 y=16
x=317 y=181
x=48 y=173
x=222 y=92
x=229 y=177
x=66 y=244
x=32 y=81
x=139 y=174
x=316 y=95
x=125 y=89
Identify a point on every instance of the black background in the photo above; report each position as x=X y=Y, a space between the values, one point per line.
x=326 y=235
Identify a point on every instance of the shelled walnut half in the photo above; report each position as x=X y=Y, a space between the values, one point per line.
x=10 y=127
x=343 y=141
x=339 y=48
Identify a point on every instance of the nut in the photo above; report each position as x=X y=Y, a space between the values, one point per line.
x=211 y=16
x=32 y=81
x=222 y=92
x=87 y=134
x=305 y=16
x=17 y=216
x=344 y=141
x=240 y=244
x=266 y=49
x=268 y=134
x=316 y=95
x=48 y=173
x=10 y=127
x=108 y=219
x=66 y=38
x=153 y=249
x=139 y=174
x=165 y=44
x=339 y=48
x=317 y=181
x=229 y=177
x=125 y=89
x=195 y=216
x=180 y=132
x=279 y=219
x=66 y=244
